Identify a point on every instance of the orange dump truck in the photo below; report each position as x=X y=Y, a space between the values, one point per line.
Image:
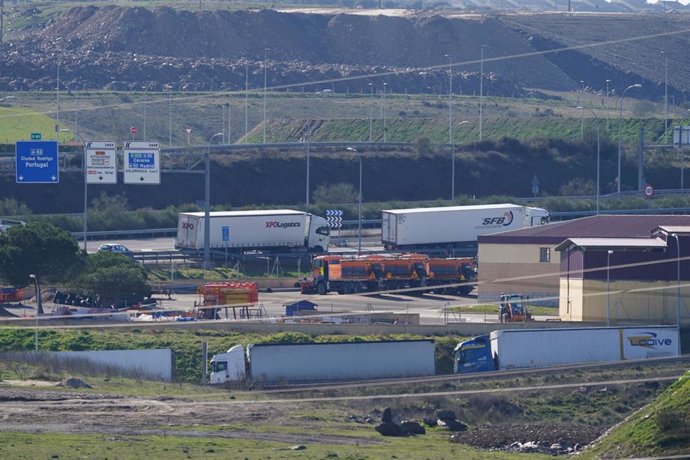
x=452 y=276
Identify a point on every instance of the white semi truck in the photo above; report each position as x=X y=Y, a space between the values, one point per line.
x=453 y=228
x=531 y=348
x=265 y=230
x=308 y=362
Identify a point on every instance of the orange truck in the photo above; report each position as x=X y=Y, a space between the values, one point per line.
x=452 y=276
x=365 y=273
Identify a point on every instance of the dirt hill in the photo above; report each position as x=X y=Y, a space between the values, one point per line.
x=137 y=48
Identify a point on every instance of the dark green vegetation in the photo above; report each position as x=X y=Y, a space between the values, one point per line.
x=661 y=428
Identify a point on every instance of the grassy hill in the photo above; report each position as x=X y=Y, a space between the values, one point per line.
x=659 y=429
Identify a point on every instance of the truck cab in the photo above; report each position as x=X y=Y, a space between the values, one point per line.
x=474 y=355
x=536 y=216
x=230 y=366
x=319 y=234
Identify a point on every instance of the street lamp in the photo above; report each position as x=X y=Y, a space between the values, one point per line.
x=39 y=306
x=620 y=130
x=596 y=118
x=606 y=104
x=481 y=90
x=359 y=201
x=371 y=107
x=207 y=204
x=665 y=96
x=246 y=102
x=383 y=110
x=608 y=287
x=677 y=288
x=264 y=124
x=450 y=126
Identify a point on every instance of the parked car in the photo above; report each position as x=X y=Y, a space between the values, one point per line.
x=115 y=249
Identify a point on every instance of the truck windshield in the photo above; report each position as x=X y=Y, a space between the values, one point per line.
x=219 y=366
x=323 y=231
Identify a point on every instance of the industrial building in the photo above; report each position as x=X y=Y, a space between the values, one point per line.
x=534 y=262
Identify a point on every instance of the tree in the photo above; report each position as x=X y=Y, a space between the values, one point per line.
x=42 y=249
x=114 y=277
x=336 y=193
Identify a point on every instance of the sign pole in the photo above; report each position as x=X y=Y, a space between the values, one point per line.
x=86 y=200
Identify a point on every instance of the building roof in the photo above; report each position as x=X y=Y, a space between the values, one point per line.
x=601 y=226
x=605 y=243
x=675 y=228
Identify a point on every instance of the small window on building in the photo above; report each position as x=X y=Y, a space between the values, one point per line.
x=545 y=255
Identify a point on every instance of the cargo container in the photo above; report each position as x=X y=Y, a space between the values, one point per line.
x=532 y=348
x=271 y=231
x=453 y=229
x=311 y=362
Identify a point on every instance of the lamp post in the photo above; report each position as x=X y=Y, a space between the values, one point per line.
x=665 y=96
x=207 y=204
x=606 y=104
x=481 y=90
x=596 y=120
x=383 y=110
x=608 y=287
x=39 y=306
x=677 y=287
x=371 y=107
x=620 y=131
x=359 y=201
x=306 y=145
x=450 y=126
x=246 y=102
x=265 y=80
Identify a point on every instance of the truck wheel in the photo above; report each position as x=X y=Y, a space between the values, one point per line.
x=356 y=288
x=347 y=288
x=321 y=289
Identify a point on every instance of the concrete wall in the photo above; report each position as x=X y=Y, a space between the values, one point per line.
x=150 y=364
x=628 y=301
x=515 y=268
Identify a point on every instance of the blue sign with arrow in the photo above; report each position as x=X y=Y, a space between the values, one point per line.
x=37 y=162
x=225 y=230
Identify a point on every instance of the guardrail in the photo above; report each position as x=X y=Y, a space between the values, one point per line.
x=104 y=234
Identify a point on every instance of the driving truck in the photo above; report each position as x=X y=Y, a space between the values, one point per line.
x=309 y=362
x=512 y=308
x=262 y=230
x=533 y=348
x=453 y=230
x=365 y=273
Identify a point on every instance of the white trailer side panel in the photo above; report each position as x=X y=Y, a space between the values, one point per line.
x=551 y=347
x=250 y=229
x=440 y=225
x=341 y=361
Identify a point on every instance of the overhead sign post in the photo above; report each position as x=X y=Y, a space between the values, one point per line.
x=37 y=162
x=101 y=163
x=142 y=163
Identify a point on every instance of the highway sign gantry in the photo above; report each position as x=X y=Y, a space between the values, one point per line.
x=37 y=162
x=142 y=163
x=101 y=163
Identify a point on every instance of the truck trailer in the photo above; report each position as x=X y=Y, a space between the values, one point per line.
x=533 y=348
x=265 y=230
x=453 y=229
x=311 y=362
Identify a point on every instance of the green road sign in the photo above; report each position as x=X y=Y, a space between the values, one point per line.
x=35 y=136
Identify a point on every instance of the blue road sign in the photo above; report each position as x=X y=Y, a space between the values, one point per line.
x=37 y=162
x=226 y=232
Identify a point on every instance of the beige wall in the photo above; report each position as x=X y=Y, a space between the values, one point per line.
x=650 y=302
x=508 y=268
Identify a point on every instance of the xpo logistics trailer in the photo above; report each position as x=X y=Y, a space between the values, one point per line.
x=308 y=362
x=264 y=230
x=453 y=229
x=532 y=348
